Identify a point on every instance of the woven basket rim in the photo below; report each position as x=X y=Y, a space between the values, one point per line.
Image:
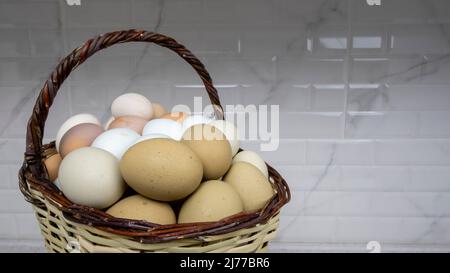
x=33 y=175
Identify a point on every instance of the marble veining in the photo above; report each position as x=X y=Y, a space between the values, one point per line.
x=362 y=98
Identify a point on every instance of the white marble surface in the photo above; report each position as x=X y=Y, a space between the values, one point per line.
x=364 y=95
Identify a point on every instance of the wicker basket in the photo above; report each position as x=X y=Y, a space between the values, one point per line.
x=68 y=227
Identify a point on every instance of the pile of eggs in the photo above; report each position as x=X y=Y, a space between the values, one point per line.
x=165 y=168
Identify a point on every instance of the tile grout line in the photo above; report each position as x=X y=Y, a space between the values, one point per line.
x=64 y=40
x=347 y=65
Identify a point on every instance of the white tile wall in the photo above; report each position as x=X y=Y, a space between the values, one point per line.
x=364 y=95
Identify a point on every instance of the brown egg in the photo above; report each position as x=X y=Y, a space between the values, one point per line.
x=161 y=169
x=177 y=116
x=251 y=185
x=79 y=136
x=211 y=146
x=134 y=123
x=158 y=110
x=212 y=201
x=137 y=207
x=52 y=165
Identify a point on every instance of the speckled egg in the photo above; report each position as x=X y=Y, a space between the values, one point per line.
x=212 y=147
x=214 y=200
x=252 y=158
x=230 y=131
x=138 y=207
x=161 y=169
x=251 y=185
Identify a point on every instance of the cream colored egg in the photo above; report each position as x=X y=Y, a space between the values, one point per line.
x=90 y=176
x=81 y=135
x=71 y=122
x=212 y=201
x=211 y=146
x=158 y=110
x=252 y=186
x=252 y=158
x=230 y=132
x=116 y=141
x=161 y=169
x=132 y=104
x=138 y=207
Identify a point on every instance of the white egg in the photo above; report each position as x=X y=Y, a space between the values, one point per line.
x=194 y=120
x=163 y=126
x=116 y=141
x=132 y=104
x=71 y=122
x=108 y=122
x=152 y=136
x=57 y=183
x=252 y=158
x=231 y=133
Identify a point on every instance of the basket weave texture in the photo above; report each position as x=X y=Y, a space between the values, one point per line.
x=69 y=227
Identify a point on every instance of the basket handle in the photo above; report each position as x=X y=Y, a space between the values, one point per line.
x=35 y=127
